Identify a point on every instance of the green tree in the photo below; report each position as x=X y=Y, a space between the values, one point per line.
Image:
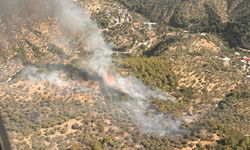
x=177 y=21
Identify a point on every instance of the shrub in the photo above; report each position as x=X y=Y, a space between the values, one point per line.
x=177 y=21
x=153 y=71
x=187 y=92
x=240 y=92
x=97 y=145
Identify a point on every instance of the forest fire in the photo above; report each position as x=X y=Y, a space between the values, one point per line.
x=121 y=84
x=109 y=78
x=95 y=57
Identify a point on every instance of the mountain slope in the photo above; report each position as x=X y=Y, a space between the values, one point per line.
x=48 y=102
x=201 y=16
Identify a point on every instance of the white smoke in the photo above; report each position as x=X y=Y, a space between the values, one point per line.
x=139 y=106
x=34 y=74
x=136 y=89
x=151 y=121
x=75 y=21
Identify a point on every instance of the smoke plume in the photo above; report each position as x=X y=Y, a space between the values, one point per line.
x=74 y=21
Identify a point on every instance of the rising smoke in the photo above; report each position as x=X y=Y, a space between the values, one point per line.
x=75 y=21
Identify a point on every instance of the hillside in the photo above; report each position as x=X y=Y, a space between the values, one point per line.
x=175 y=87
x=190 y=11
x=202 y=16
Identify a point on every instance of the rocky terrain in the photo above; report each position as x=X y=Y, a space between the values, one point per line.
x=48 y=102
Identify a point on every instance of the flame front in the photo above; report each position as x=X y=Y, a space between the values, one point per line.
x=109 y=79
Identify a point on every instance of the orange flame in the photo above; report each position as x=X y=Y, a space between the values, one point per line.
x=109 y=78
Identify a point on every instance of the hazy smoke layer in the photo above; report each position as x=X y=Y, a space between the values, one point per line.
x=54 y=77
x=75 y=22
x=150 y=120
